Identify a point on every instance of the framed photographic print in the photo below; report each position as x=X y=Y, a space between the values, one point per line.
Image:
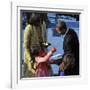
x=48 y=46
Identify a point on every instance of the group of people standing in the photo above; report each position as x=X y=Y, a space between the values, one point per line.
x=37 y=61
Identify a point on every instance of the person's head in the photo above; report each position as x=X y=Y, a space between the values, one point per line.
x=69 y=61
x=35 y=50
x=61 y=27
x=43 y=17
x=35 y=19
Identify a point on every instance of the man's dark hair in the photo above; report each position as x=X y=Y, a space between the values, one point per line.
x=62 y=25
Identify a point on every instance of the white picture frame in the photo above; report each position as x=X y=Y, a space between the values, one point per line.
x=16 y=81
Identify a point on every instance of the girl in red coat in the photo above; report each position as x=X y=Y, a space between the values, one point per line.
x=43 y=68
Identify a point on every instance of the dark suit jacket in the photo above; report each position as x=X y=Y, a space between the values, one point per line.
x=71 y=46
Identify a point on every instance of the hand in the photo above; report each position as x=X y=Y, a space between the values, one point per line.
x=53 y=50
x=62 y=66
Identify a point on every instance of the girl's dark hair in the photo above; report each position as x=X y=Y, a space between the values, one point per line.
x=34 y=19
x=35 y=50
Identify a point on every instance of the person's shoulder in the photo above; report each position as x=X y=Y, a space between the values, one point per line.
x=72 y=31
x=28 y=26
x=72 y=34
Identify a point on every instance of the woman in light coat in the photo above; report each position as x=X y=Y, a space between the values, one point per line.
x=32 y=37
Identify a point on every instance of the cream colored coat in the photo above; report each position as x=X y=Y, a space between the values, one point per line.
x=31 y=36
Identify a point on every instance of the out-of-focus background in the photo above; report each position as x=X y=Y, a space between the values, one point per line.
x=72 y=21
